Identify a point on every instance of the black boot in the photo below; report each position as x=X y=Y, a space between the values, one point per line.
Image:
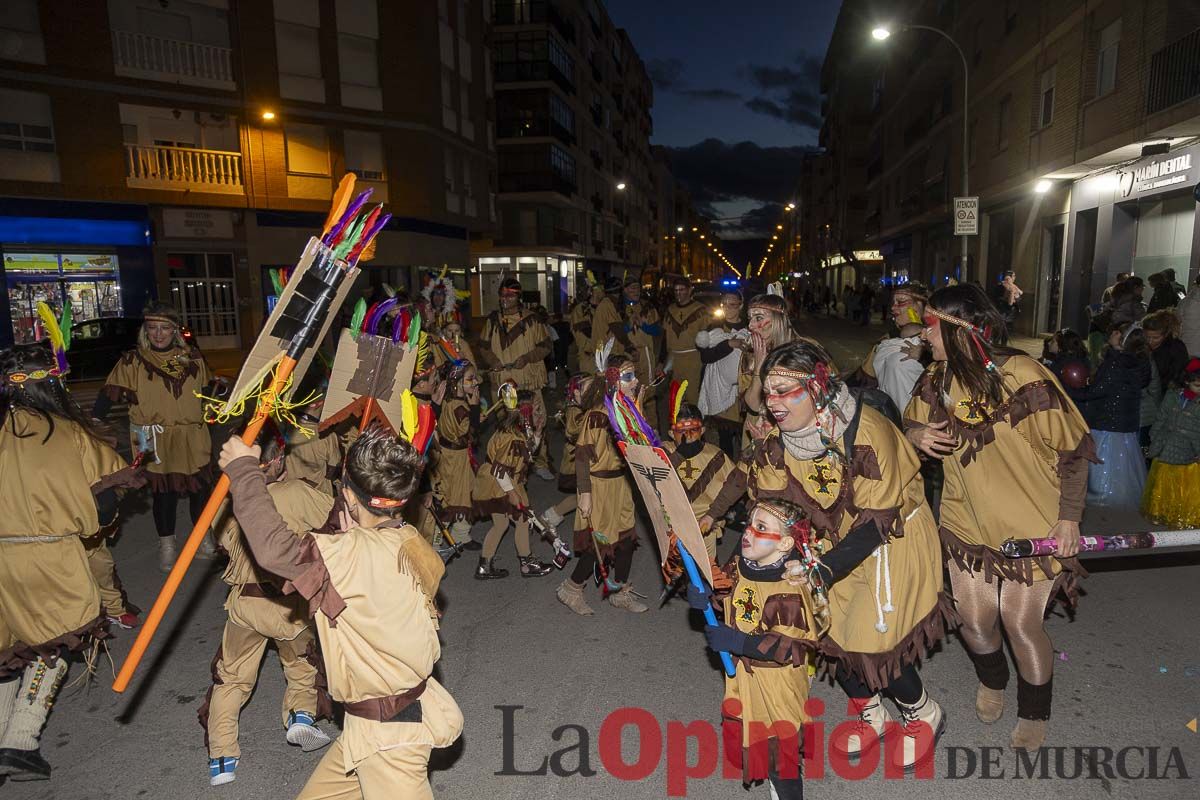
x=532 y=568
x=23 y=765
x=487 y=570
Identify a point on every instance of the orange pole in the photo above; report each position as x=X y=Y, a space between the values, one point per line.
x=207 y=516
x=366 y=414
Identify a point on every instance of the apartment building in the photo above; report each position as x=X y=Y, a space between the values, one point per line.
x=186 y=149
x=1081 y=124
x=576 y=181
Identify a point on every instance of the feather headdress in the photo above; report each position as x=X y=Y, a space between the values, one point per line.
x=55 y=334
x=678 y=389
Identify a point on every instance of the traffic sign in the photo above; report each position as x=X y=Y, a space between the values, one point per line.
x=966 y=216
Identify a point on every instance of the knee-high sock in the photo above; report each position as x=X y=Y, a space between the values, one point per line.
x=39 y=686
x=164 y=504
x=8 y=699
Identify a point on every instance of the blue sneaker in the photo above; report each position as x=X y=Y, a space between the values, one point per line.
x=221 y=770
x=303 y=731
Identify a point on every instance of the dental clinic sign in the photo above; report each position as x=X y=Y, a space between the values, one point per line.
x=1155 y=176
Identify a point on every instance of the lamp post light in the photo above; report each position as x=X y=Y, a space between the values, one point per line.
x=881 y=33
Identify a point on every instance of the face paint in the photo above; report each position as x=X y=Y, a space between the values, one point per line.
x=628 y=377
x=913 y=316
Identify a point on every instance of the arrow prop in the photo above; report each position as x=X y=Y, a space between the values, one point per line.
x=1025 y=548
x=666 y=499
x=319 y=283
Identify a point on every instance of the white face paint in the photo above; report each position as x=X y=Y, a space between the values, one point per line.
x=789 y=403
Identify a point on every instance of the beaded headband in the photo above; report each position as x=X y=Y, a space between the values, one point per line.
x=685 y=425
x=383 y=503
x=791 y=373
x=158 y=318
x=977 y=334
x=793 y=525
x=19 y=378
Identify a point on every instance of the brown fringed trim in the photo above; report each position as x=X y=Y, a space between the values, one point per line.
x=174 y=384
x=454 y=512
x=779 y=651
x=483 y=509
x=760 y=759
x=178 y=482
x=1084 y=451
x=508 y=336
x=887 y=520
x=678 y=326
x=994 y=564
x=864 y=462
x=582 y=541
x=1035 y=396
x=878 y=669
x=314 y=584
x=202 y=711
x=119 y=394
x=15 y=658
x=312 y=654
x=124 y=478
x=784 y=609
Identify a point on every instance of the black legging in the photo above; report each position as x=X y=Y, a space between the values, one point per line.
x=905 y=688
x=622 y=562
x=165 y=504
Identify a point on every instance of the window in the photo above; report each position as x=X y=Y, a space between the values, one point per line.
x=364 y=155
x=21 y=32
x=307 y=149
x=299 y=56
x=358 y=60
x=451 y=183
x=561 y=59
x=1046 y=95
x=1106 y=59
x=449 y=115
x=562 y=163
x=25 y=122
x=562 y=113
x=468 y=126
x=1002 y=112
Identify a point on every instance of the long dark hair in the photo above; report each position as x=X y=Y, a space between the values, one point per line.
x=805 y=355
x=969 y=302
x=1071 y=345
x=47 y=398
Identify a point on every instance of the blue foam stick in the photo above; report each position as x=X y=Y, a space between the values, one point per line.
x=710 y=616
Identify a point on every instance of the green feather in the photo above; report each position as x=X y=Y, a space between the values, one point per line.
x=414 y=330
x=349 y=239
x=356 y=319
x=275 y=281
x=65 y=325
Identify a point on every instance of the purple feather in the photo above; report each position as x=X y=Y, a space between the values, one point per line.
x=377 y=314
x=647 y=431
x=367 y=236
x=351 y=211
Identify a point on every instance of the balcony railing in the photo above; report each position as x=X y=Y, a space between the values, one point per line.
x=536 y=182
x=515 y=71
x=524 y=127
x=151 y=167
x=142 y=56
x=1174 y=73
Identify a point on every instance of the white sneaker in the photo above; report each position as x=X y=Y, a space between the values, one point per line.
x=544 y=474
x=552 y=518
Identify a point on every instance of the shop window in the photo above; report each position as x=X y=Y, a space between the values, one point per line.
x=307 y=149
x=89 y=281
x=364 y=155
x=203 y=289
x=1106 y=59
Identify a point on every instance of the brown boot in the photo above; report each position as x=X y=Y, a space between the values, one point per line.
x=627 y=599
x=1029 y=734
x=989 y=704
x=570 y=594
x=1033 y=712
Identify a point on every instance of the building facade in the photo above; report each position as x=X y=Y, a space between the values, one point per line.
x=187 y=150
x=1070 y=104
x=577 y=183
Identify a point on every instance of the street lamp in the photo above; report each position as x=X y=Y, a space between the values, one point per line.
x=621 y=186
x=882 y=32
x=1042 y=186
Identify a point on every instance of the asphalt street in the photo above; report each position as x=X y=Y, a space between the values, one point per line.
x=1127 y=675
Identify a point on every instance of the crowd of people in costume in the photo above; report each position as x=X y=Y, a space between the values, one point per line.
x=854 y=493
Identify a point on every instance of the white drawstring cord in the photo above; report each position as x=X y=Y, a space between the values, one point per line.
x=150 y=435
x=883 y=580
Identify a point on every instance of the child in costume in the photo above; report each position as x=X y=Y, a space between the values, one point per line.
x=312 y=456
x=604 y=527
x=572 y=424
x=259 y=614
x=370 y=591
x=1173 y=488
x=771 y=629
x=58 y=479
x=500 y=483
x=702 y=466
x=458 y=421
x=160 y=379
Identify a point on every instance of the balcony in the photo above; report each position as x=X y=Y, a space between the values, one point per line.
x=183 y=169
x=137 y=55
x=1174 y=73
x=525 y=127
x=520 y=71
x=545 y=181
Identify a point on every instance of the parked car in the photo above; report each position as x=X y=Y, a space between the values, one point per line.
x=98 y=343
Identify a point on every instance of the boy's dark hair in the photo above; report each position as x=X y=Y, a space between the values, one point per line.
x=689 y=411
x=379 y=464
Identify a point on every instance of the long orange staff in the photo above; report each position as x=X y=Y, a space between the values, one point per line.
x=344 y=242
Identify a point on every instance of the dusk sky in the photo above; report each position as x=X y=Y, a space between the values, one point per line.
x=736 y=96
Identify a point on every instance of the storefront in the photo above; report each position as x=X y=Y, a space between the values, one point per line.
x=547 y=280
x=1138 y=218
x=99 y=262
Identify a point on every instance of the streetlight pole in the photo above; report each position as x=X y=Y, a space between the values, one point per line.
x=882 y=33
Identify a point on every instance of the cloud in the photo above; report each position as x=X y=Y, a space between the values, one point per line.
x=722 y=172
x=788 y=93
x=665 y=73
x=711 y=94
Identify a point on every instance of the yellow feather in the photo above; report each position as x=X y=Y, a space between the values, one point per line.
x=53 y=332
x=408 y=414
x=678 y=401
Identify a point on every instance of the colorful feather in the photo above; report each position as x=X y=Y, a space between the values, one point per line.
x=424 y=356
x=276 y=282
x=367 y=222
x=341 y=198
x=54 y=334
x=409 y=414
x=426 y=422
x=356 y=319
x=414 y=331
x=678 y=388
x=64 y=325
x=367 y=240
x=338 y=233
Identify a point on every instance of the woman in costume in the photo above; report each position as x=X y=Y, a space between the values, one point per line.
x=160 y=379
x=453 y=473
x=1173 y=489
x=58 y=477
x=1015 y=452
x=572 y=424
x=769 y=328
x=604 y=529
x=859 y=483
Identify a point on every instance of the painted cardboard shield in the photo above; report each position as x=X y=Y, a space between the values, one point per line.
x=667 y=503
x=369 y=375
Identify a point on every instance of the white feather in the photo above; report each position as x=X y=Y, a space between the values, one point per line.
x=603 y=353
x=775 y=288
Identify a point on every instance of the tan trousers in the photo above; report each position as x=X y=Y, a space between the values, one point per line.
x=237 y=670
x=401 y=773
x=104 y=571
